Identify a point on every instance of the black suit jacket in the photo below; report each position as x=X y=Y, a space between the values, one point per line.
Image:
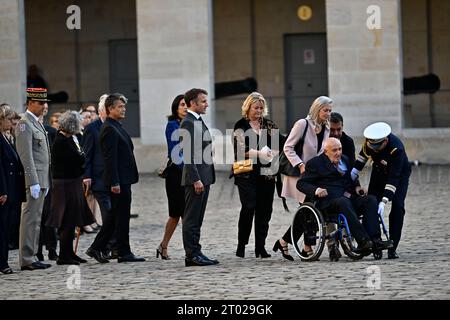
x=117 y=150
x=196 y=166
x=12 y=179
x=321 y=173
x=51 y=134
x=94 y=158
x=348 y=148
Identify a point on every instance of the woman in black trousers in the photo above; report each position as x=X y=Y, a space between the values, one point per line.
x=69 y=208
x=253 y=140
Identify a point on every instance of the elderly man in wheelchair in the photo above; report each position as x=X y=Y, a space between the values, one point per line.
x=339 y=199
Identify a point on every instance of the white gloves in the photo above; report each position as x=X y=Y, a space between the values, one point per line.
x=34 y=190
x=354 y=174
x=381 y=208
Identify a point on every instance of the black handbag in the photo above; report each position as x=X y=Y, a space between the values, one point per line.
x=164 y=169
x=285 y=166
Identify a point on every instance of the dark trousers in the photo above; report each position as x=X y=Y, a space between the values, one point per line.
x=256 y=196
x=4 y=235
x=397 y=214
x=193 y=220
x=14 y=224
x=352 y=209
x=104 y=202
x=117 y=220
x=47 y=234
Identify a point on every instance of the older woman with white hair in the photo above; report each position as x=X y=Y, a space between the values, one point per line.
x=313 y=131
x=69 y=208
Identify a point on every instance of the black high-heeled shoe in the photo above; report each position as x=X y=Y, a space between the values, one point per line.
x=277 y=246
x=159 y=252
x=261 y=252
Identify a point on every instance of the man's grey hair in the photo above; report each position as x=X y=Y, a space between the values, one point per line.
x=70 y=122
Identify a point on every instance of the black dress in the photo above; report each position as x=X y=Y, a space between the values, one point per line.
x=68 y=205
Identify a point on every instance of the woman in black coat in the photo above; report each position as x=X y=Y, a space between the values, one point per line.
x=12 y=186
x=69 y=208
x=253 y=137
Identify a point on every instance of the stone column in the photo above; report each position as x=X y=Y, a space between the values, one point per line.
x=12 y=54
x=364 y=66
x=175 y=53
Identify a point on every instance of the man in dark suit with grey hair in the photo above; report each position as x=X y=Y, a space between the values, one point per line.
x=198 y=175
x=120 y=172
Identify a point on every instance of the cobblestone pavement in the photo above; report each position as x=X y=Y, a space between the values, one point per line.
x=422 y=272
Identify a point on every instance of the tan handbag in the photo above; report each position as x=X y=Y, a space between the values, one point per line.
x=242 y=166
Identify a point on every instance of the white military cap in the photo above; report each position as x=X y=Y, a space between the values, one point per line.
x=376 y=132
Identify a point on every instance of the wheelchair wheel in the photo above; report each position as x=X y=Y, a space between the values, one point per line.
x=309 y=220
x=348 y=244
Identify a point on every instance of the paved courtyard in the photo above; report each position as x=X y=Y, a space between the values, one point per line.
x=422 y=272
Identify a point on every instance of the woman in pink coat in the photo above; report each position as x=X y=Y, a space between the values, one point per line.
x=318 y=130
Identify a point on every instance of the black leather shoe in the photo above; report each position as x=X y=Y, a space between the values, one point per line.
x=97 y=255
x=52 y=255
x=261 y=252
x=392 y=254
x=67 y=262
x=214 y=261
x=7 y=270
x=335 y=254
x=277 y=246
x=378 y=244
x=34 y=266
x=364 y=246
x=46 y=265
x=130 y=258
x=197 y=261
x=240 y=251
x=78 y=259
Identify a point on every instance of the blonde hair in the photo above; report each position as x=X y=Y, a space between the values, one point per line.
x=316 y=106
x=252 y=98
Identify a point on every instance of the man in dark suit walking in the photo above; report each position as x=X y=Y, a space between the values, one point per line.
x=120 y=172
x=198 y=175
x=327 y=178
x=93 y=175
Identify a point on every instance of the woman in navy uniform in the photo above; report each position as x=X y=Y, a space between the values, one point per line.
x=390 y=175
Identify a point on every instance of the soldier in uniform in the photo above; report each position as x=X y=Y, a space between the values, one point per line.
x=34 y=151
x=390 y=175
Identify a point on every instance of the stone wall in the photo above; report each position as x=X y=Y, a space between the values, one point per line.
x=233 y=48
x=364 y=68
x=415 y=60
x=52 y=46
x=12 y=54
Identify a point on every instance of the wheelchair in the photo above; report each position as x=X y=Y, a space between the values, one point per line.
x=313 y=223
